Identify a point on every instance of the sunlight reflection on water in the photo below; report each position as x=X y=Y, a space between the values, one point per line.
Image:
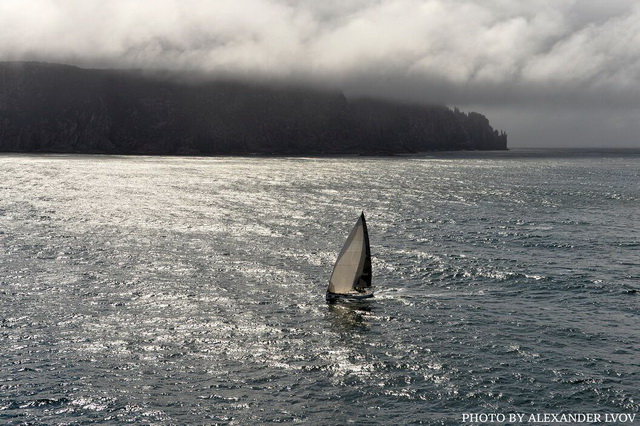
x=190 y=290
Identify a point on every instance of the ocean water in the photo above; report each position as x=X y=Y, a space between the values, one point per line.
x=166 y=290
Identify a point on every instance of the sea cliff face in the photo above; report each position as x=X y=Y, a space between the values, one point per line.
x=60 y=108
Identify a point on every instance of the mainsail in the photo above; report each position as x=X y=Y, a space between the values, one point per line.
x=352 y=270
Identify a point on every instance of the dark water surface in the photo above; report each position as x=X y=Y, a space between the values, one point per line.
x=162 y=290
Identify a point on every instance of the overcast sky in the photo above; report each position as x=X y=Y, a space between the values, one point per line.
x=548 y=72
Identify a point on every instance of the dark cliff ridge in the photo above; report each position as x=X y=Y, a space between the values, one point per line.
x=60 y=108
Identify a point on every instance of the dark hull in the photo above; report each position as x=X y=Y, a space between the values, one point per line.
x=334 y=297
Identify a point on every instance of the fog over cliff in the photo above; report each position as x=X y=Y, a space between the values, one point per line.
x=548 y=72
x=60 y=108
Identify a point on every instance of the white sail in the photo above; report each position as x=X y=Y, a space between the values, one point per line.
x=353 y=266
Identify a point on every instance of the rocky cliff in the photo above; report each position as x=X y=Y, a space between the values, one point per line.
x=59 y=108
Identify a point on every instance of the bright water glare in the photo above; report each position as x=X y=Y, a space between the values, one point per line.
x=163 y=290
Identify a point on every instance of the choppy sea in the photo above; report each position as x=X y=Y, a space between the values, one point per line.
x=177 y=290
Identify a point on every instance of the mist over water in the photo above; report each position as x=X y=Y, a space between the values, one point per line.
x=171 y=290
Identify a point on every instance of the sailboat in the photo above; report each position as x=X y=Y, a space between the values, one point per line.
x=351 y=276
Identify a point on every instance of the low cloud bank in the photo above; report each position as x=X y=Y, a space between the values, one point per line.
x=535 y=54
